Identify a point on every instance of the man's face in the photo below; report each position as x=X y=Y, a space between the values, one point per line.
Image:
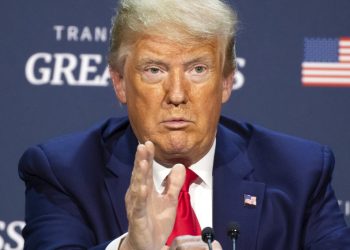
x=174 y=94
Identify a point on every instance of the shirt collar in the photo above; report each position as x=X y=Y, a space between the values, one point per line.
x=203 y=168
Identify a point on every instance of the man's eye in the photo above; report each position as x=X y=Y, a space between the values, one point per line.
x=153 y=70
x=153 y=74
x=199 y=69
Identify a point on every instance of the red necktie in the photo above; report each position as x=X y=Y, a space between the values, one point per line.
x=186 y=222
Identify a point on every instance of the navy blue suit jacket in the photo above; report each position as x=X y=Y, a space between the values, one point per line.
x=75 y=188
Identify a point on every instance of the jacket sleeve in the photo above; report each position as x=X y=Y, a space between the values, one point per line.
x=325 y=227
x=53 y=218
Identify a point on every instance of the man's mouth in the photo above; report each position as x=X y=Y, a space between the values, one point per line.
x=176 y=123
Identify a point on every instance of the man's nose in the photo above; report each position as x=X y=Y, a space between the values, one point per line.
x=177 y=88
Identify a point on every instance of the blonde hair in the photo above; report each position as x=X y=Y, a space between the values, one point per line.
x=177 y=20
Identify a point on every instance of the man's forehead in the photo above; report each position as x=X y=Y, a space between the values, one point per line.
x=151 y=47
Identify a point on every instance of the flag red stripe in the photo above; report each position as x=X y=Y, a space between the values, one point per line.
x=330 y=69
x=308 y=84
x=326 y=76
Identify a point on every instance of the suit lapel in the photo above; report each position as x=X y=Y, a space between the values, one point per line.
x=232 y=179
x=119 y=158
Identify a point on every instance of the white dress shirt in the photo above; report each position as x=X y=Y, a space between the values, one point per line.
x=201 y=191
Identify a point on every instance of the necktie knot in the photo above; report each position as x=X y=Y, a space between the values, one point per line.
x=190 y=178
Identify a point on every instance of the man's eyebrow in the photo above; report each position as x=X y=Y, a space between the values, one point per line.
x=206 y=59
x=201 y=59
x=145 y=61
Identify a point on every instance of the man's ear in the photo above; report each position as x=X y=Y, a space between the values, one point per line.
x=118 y=85
x=227 y=84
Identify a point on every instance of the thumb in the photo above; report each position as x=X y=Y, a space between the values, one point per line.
x=174 y=182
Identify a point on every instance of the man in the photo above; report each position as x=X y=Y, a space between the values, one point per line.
x=173 y=71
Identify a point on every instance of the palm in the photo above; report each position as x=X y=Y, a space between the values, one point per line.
x=151 y=215
x=162 y=211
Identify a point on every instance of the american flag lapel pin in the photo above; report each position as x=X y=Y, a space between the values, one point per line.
x=249 y=200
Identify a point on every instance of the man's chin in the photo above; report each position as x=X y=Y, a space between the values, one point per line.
x=172 y=154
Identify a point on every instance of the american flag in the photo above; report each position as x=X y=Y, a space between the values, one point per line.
x=249 y=200
x=326 y=62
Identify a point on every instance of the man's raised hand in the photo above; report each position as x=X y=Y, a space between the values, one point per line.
x=151 y=215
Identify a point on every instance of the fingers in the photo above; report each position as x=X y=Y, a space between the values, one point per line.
x=186 y=240
x=174 y=182
x=142 y=171
x=216 y=245
x=150 y=150
x=192 y=242
x=141 y=182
